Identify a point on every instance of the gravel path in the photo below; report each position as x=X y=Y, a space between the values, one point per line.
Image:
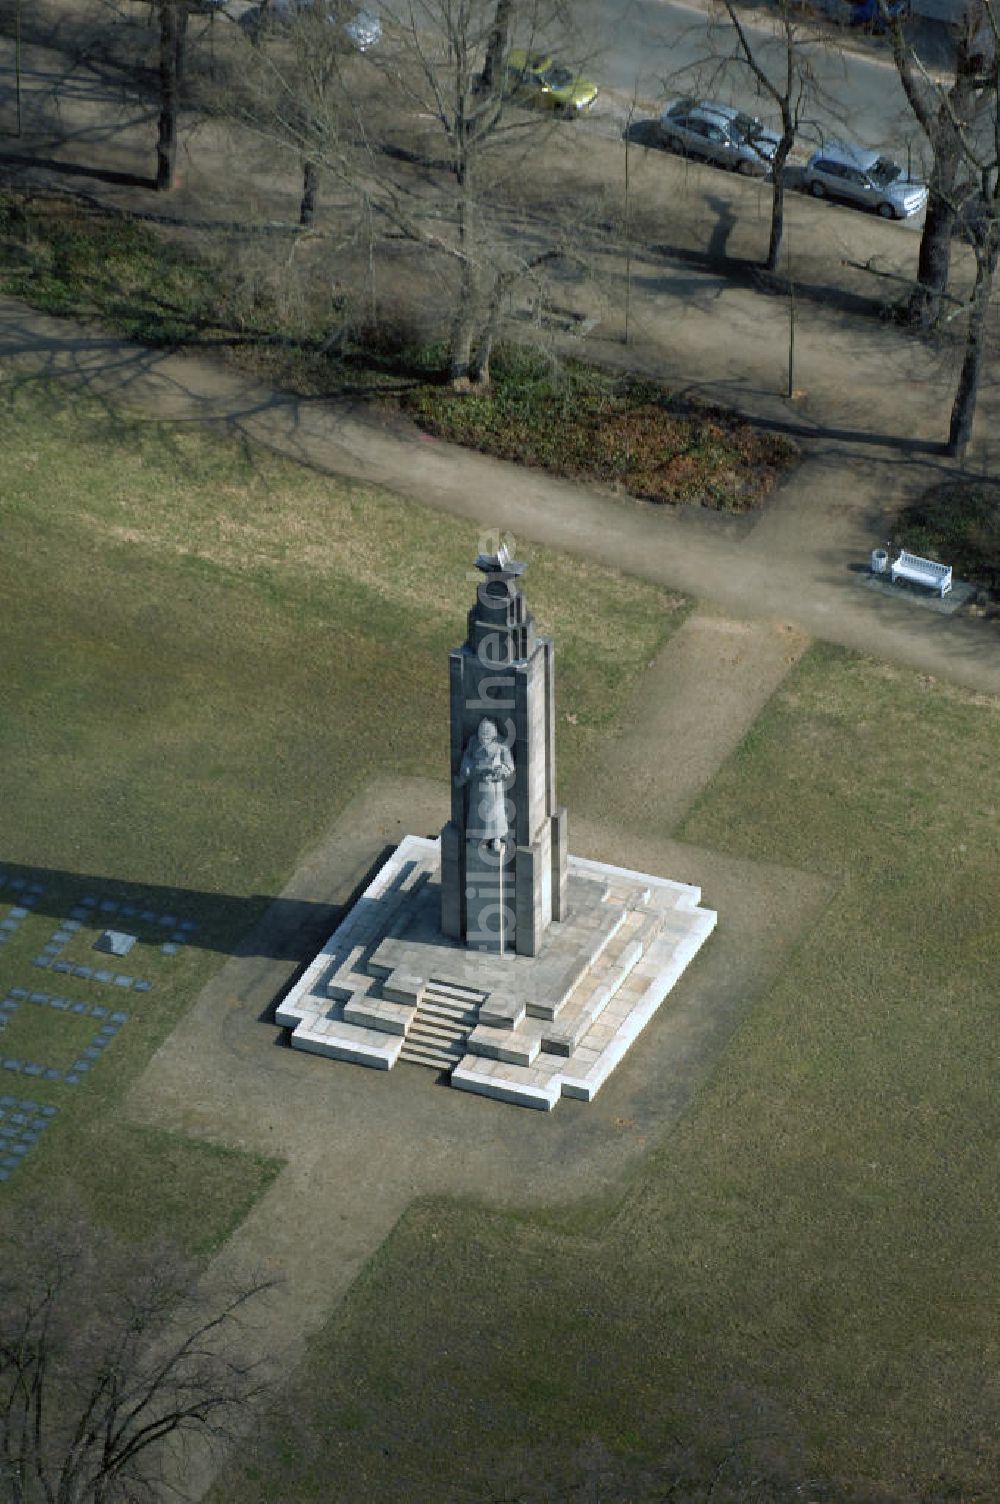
x=799 y=562
x=691 y=710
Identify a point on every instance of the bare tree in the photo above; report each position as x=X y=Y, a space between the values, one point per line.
x=498 y=43
x=105 y=1360
x=962 y=122
x=946 y=115
x=423 y=133
x=788 y=86
x=297 y=90
x=774 y=59
x=141 y=56
x=986 y=243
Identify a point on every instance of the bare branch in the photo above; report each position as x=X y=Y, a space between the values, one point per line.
x=103 y=1356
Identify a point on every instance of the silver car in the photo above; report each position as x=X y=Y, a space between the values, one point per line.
x=719 y=133
x=862 y=176
x=358 y=28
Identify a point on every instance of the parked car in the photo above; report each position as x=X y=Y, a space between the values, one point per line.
x=363 y=30
x=359 y=29
x=703 y=128
x=877 y=15
x=871 y=15
x=862 y=176
x=536 y=78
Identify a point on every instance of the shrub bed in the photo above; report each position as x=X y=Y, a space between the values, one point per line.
x=579 y=420
x=957 y=522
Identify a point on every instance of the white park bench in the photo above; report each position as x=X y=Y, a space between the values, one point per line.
x=921 y=572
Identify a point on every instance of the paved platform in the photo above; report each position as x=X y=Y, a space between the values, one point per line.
x=389 y=986
x=961 y=594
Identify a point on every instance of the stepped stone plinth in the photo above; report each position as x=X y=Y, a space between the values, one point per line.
x=524 y=1029
x=491 y=953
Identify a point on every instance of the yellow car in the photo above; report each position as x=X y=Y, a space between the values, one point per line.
x=536 y=78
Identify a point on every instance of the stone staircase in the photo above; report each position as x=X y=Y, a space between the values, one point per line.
x=439 y=1033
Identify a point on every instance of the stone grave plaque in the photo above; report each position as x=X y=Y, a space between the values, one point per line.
x=115 y=942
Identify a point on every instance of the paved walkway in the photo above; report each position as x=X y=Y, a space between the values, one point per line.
x=799 y=562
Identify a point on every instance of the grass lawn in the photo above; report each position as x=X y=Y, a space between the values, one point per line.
x=199 y=642
x=796 y=1299
x=564 y=416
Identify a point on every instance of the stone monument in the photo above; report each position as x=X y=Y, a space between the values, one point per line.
x=523 y=972
x=503 y=852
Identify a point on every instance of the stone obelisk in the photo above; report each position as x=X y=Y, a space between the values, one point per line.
x=503 y=852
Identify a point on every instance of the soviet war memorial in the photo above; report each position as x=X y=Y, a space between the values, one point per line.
x=523 y=971
x=499 y=752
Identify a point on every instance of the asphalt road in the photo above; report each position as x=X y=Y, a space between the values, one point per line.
x=651 y=50
x=642 y=52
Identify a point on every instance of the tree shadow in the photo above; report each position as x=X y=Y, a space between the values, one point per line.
x=644 y=133
x=743 y=271
x=803 y=428
x=749 y=274
x=113 y=45
x=78 y=170
x=726 y=222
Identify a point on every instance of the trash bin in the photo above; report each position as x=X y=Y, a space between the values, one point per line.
x=880 y=561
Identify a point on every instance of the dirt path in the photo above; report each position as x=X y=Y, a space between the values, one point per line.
x=794 y=564
x=360 y=1145
x=692 y=709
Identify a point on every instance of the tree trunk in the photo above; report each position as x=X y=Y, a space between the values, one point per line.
x=479 y=367
x=778 y=200
x=479 y=375
x=183 y=13
x=310 y=191
x=964 y=408
x=466 y=309
x=173 y=27
x=943 y=128
x=497 y=44
x=462 y=333
x=934 y=261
